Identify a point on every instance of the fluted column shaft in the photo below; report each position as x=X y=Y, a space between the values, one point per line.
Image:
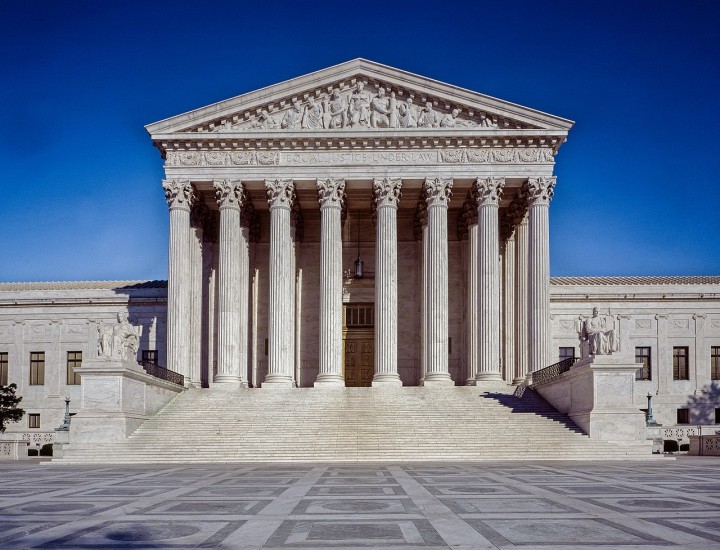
x=472 y=325
x=522 y=302
x=509 y=309
x=539 y=193
x=386 y=195
x=197 y=218
x=244 y=301
x=281 y=312
x=489 y=191
x=437 y=194
x=229 y=196
x=331 y=194
x=179 y=195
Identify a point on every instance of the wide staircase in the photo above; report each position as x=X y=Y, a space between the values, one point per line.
x=356 y=425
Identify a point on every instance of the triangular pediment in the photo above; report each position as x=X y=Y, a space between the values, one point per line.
x=358 y=96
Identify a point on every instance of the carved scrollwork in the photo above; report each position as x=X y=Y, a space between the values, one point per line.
x=229 y=193
x=178 y=193
x=331 y=193
x=489 y=190
x=437 y=191
x=280 y=193
x=539 y=191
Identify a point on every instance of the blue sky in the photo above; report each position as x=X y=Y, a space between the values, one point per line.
x=638 y=179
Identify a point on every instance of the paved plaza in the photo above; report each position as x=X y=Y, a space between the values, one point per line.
x=659 y=503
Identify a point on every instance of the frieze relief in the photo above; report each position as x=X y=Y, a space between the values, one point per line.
x=359 y=105
x=537 y=155
x=643 y=323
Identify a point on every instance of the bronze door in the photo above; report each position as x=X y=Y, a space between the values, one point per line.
x=359 y=362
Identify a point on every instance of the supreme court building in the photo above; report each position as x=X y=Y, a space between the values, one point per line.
x=359 y=226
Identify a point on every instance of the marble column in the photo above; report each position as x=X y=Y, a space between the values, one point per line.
x=489 y=191
x=471 y=296
x=420 y=231
x=509 y=309
x=539 y=193
x=179 y=195
x=247 y=216
x=281 y=314
x=522 y=367
x=331 y=195
x=437 y=193
x=386 y=195
x=229 y=197
x=197 y=220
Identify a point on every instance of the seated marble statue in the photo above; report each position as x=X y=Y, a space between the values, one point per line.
x=600 y=334
x=120 y=341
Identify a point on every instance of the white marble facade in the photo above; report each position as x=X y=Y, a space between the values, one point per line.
x=443 y=193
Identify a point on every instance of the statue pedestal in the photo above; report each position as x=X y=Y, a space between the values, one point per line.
x=117 y=397
x=597 y=394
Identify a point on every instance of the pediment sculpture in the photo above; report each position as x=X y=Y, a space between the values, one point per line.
x=119 y=341
x=598 y=334
x=357 y=108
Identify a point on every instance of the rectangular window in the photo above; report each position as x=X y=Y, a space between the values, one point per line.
x=567 y=353
x=33 y=420
x=642 y=356
x=4 y=368
x=717 y=416
x=149 y=356
x=74 y=361
x=683 y=416
x=680 y=363
x=715 y=362
x=37 y=368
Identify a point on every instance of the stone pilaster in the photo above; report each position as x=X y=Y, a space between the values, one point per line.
x=281 y=315
x=386 y=195
x=331 y=195
x=437 y=193
x=489 y=191
x=179 y=195
x=539 y=192
x=197 y=220
x=230 y=197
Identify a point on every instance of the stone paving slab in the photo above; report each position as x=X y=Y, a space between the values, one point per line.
x=533 y=505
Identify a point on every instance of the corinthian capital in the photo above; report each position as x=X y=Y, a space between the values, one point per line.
x=280 y=193
x=386 y=192
x=229 y=193
x=539 y=191
x=437 y=191
x=331 y=193
x=179 y=193
x=488 y=191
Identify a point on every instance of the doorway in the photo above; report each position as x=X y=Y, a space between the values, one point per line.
x=358 y=345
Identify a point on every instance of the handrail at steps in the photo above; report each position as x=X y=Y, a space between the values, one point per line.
x=553 y=371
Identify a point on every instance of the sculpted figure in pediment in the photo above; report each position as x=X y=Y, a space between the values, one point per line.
x=293 y=117
x=486 y=122
x=313 y=116
x=359 y=107
x=450 y=120
x=429 y=117
x=407 y=116
x=266 y=122
x=380 y=110
x=336 y=111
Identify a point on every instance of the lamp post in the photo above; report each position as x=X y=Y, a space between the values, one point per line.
x=650 y=421
x=66 y=421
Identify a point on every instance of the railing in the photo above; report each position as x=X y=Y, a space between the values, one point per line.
x=153 y=369
x=553 y=371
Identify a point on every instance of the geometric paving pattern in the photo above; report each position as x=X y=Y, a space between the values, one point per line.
x=527 y=505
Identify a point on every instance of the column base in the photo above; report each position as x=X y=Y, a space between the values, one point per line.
x=518 y=381
x=488 y=377
x=386 y=379
x=438 y=379
x=470 y=382
x=277 y=381
x=229 y=380
x=327 y=380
